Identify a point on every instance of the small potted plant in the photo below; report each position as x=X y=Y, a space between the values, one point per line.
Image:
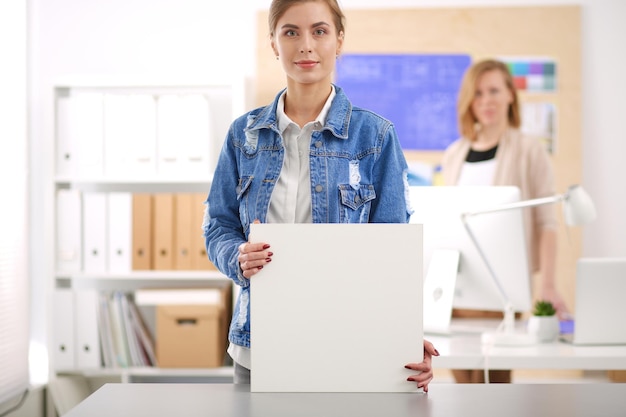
x=544 y=323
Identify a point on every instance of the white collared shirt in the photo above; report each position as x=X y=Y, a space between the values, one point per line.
x=291 y=198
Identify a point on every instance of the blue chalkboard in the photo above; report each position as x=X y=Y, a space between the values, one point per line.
x=418 y=93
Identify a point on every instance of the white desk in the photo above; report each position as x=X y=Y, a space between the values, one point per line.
x=443 y=400
x=464 y=350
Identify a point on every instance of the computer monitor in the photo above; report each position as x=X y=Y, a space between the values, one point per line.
x=468 y=284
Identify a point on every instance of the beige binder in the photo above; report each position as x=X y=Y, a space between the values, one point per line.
x=182 y=230
x=199 y=258
x=142 y=231
x=163 y=228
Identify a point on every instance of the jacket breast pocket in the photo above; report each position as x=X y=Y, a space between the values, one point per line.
x=355 y=204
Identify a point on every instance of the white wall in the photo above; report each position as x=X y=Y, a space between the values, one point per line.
x=187 y=38
x=604 y=124
x=13 y=219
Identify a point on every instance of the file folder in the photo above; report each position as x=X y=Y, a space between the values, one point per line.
x=130 y=135
x=105 y=331
x=142 y=231
x=196 y=135
x=80 y=144
x=169 y=121
x=87 y=346
x=220 y=112
x=116 y=136
x=141 y=129
x=118 y=332
x=183 y=138
x=120 y=232
x=163 y=227
x=183 y=222
x=69 y=235
x=94 y=232
x=63 y=330
x=199 y=257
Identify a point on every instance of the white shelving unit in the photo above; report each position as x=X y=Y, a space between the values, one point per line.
x=145 y=375
x=140 y=162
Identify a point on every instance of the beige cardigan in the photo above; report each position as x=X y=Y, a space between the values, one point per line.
x=522 y=161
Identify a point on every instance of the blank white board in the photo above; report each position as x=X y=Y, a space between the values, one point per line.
x=339 y=308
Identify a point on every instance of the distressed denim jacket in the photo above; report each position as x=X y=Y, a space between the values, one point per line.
x=358 y=175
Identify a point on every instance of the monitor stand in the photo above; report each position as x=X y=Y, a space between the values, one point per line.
x=506 y=334
x=439 y=286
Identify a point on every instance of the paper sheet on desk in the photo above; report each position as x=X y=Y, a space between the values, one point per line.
x=339 y=308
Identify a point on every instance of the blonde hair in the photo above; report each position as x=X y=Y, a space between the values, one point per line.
x=467 y=119
x=279 y=7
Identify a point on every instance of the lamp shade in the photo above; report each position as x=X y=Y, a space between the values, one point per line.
x=578 y=208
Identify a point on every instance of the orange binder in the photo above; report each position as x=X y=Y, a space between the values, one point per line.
x=199 y=258
x=163 y=228
x=142 y=231
x=182 y=230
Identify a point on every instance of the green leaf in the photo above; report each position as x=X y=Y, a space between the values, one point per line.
x=544 y=308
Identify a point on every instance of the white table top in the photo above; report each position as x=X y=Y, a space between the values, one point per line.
x=463 y=350
x=468 y=400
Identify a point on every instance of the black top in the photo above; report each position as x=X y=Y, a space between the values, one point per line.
x=480 y=156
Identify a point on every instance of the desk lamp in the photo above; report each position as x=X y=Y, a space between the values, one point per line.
x=578 y=209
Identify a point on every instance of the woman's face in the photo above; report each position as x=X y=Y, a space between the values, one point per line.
x=307 y=43
x=492 y=99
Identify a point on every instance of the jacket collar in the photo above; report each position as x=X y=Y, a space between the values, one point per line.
x=337 y=120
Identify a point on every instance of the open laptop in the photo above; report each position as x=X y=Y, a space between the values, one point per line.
x=600 y=306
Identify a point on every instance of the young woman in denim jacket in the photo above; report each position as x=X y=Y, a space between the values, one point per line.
x=309 y=157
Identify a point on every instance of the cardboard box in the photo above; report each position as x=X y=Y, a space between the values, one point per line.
x=192 y=335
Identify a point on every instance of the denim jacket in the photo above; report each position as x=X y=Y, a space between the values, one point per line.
x=358 y=175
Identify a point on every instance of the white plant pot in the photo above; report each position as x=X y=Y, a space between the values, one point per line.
x=544 y=328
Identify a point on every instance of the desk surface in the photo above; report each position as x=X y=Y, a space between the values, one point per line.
x=463 y=350
x=468 y=400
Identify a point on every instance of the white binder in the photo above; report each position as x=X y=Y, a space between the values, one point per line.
x=183 y=135
x=130 y=135
x=196 y=136
x=63 y=330
x=87 y=347
x=119 y=219
x=116 y=137
x=220 y=112
x=79 y=152
x=142 y=133
x=69 y=236
x=94 y=232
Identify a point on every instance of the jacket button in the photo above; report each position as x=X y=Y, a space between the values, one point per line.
x=319 y=188
x=318 y=144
